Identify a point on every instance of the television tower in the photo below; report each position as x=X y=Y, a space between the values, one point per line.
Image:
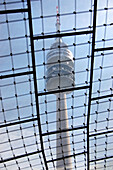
x=60 y=75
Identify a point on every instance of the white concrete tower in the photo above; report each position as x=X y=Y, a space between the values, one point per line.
x=60 y=67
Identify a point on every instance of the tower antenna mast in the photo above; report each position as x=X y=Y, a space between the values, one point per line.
x=57 y=20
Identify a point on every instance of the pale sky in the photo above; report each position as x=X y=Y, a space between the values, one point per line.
x=16 y=29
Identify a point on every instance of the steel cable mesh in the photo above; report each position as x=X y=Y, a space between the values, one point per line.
x=26 y=143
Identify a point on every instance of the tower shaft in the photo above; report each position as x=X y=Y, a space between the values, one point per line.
x=63 y=139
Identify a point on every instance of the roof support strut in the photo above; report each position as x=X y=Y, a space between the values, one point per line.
x=35 y=81
x=91 y=80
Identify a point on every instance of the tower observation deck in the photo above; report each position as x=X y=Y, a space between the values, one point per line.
x=60 y=67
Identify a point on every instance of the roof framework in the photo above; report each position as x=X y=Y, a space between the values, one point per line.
x=27 y=113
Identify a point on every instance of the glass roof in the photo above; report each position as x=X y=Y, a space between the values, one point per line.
x=28 y=111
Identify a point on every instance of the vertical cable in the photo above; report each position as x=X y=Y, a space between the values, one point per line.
x=91 y=80
x=35 y=81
